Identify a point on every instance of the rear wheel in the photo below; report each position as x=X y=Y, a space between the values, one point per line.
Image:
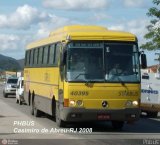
x=118 y=125
x=32 y=106
x=36 y=112
x=32 y=110
x=59 y=121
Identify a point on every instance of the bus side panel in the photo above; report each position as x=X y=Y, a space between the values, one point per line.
x=43 y=85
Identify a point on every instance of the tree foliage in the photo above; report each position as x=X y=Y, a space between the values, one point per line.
x=153 y=35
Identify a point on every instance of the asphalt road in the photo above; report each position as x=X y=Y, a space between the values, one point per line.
x=17 y=126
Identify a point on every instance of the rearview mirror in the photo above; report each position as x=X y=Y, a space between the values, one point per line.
x=143 y=61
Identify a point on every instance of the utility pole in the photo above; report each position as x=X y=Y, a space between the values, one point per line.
x=158 y=59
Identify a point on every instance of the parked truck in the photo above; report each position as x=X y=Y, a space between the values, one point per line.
x=150 y=93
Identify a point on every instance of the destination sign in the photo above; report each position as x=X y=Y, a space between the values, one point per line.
x=86 y=44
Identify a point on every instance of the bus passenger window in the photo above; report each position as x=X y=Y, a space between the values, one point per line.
x=48 y=54
x=40 y=55
x=51 y=54
x=29 y=57
x=45 y=55
x=32 y=57
x=35 y=56
x=58 y=46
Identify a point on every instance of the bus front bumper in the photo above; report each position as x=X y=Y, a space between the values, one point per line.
x=81 y=114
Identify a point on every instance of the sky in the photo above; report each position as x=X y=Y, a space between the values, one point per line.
x=24 y=21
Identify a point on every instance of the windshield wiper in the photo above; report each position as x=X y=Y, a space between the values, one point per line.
x=119 y=79
x=79 y=75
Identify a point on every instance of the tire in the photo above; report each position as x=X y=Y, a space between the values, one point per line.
x=17 y=101
x=152 y=114
x=60 y=122
x=37 y=113
x=118 y=125
x=20 y=102
x=5 y=95
x=32 y=108
x=29 y=99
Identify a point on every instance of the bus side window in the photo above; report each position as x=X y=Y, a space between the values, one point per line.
x=57 y=54
x=29 y=57
x=51 y=54
x=145 y=77
x=26 y=58
x=35 y=56
x=32 y=57
x=45 y=54
x=40 y=56
x=48 y=56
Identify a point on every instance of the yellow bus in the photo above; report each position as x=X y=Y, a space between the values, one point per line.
x=70 y=75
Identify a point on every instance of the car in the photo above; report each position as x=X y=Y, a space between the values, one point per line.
x=20 y=91
x=10 y=87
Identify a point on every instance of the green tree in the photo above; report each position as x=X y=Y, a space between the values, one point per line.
x=153 y=35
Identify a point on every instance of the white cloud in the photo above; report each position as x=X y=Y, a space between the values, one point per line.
x=76 y=4
x=14 y=45
x=137 y=27
x=22 y=18
x=99 y=16
x=134 y=3
x=55 y=22
x=9 y=42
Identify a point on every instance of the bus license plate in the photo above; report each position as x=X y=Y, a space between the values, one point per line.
x=103 y=116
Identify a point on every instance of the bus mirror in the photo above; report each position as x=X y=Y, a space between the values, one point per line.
x=143 y=61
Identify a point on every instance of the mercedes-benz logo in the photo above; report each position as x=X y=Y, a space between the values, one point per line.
x=104 y=103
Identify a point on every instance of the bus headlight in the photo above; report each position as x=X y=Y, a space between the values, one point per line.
x=135 y=103
x=129 y=103
x=79 y=103
x=72 y=103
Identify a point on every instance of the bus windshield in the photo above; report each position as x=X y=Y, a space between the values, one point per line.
x=102 y=62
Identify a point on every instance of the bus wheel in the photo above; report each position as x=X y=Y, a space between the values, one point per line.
x=60 y=123
x=37 y=113
x=152 y=114
x=32 y=108
x=118 y=125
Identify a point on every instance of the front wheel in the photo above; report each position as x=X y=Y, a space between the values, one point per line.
x=5 y=95
x=152 y=114
x=59 y=121
x=118 y=125
x=17 y=100
x=20 y=102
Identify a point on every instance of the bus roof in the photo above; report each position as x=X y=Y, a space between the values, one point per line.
x=83 y=32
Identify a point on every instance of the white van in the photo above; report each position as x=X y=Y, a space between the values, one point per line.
x=20 y=91
x=150 y=93
x=10 y=87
